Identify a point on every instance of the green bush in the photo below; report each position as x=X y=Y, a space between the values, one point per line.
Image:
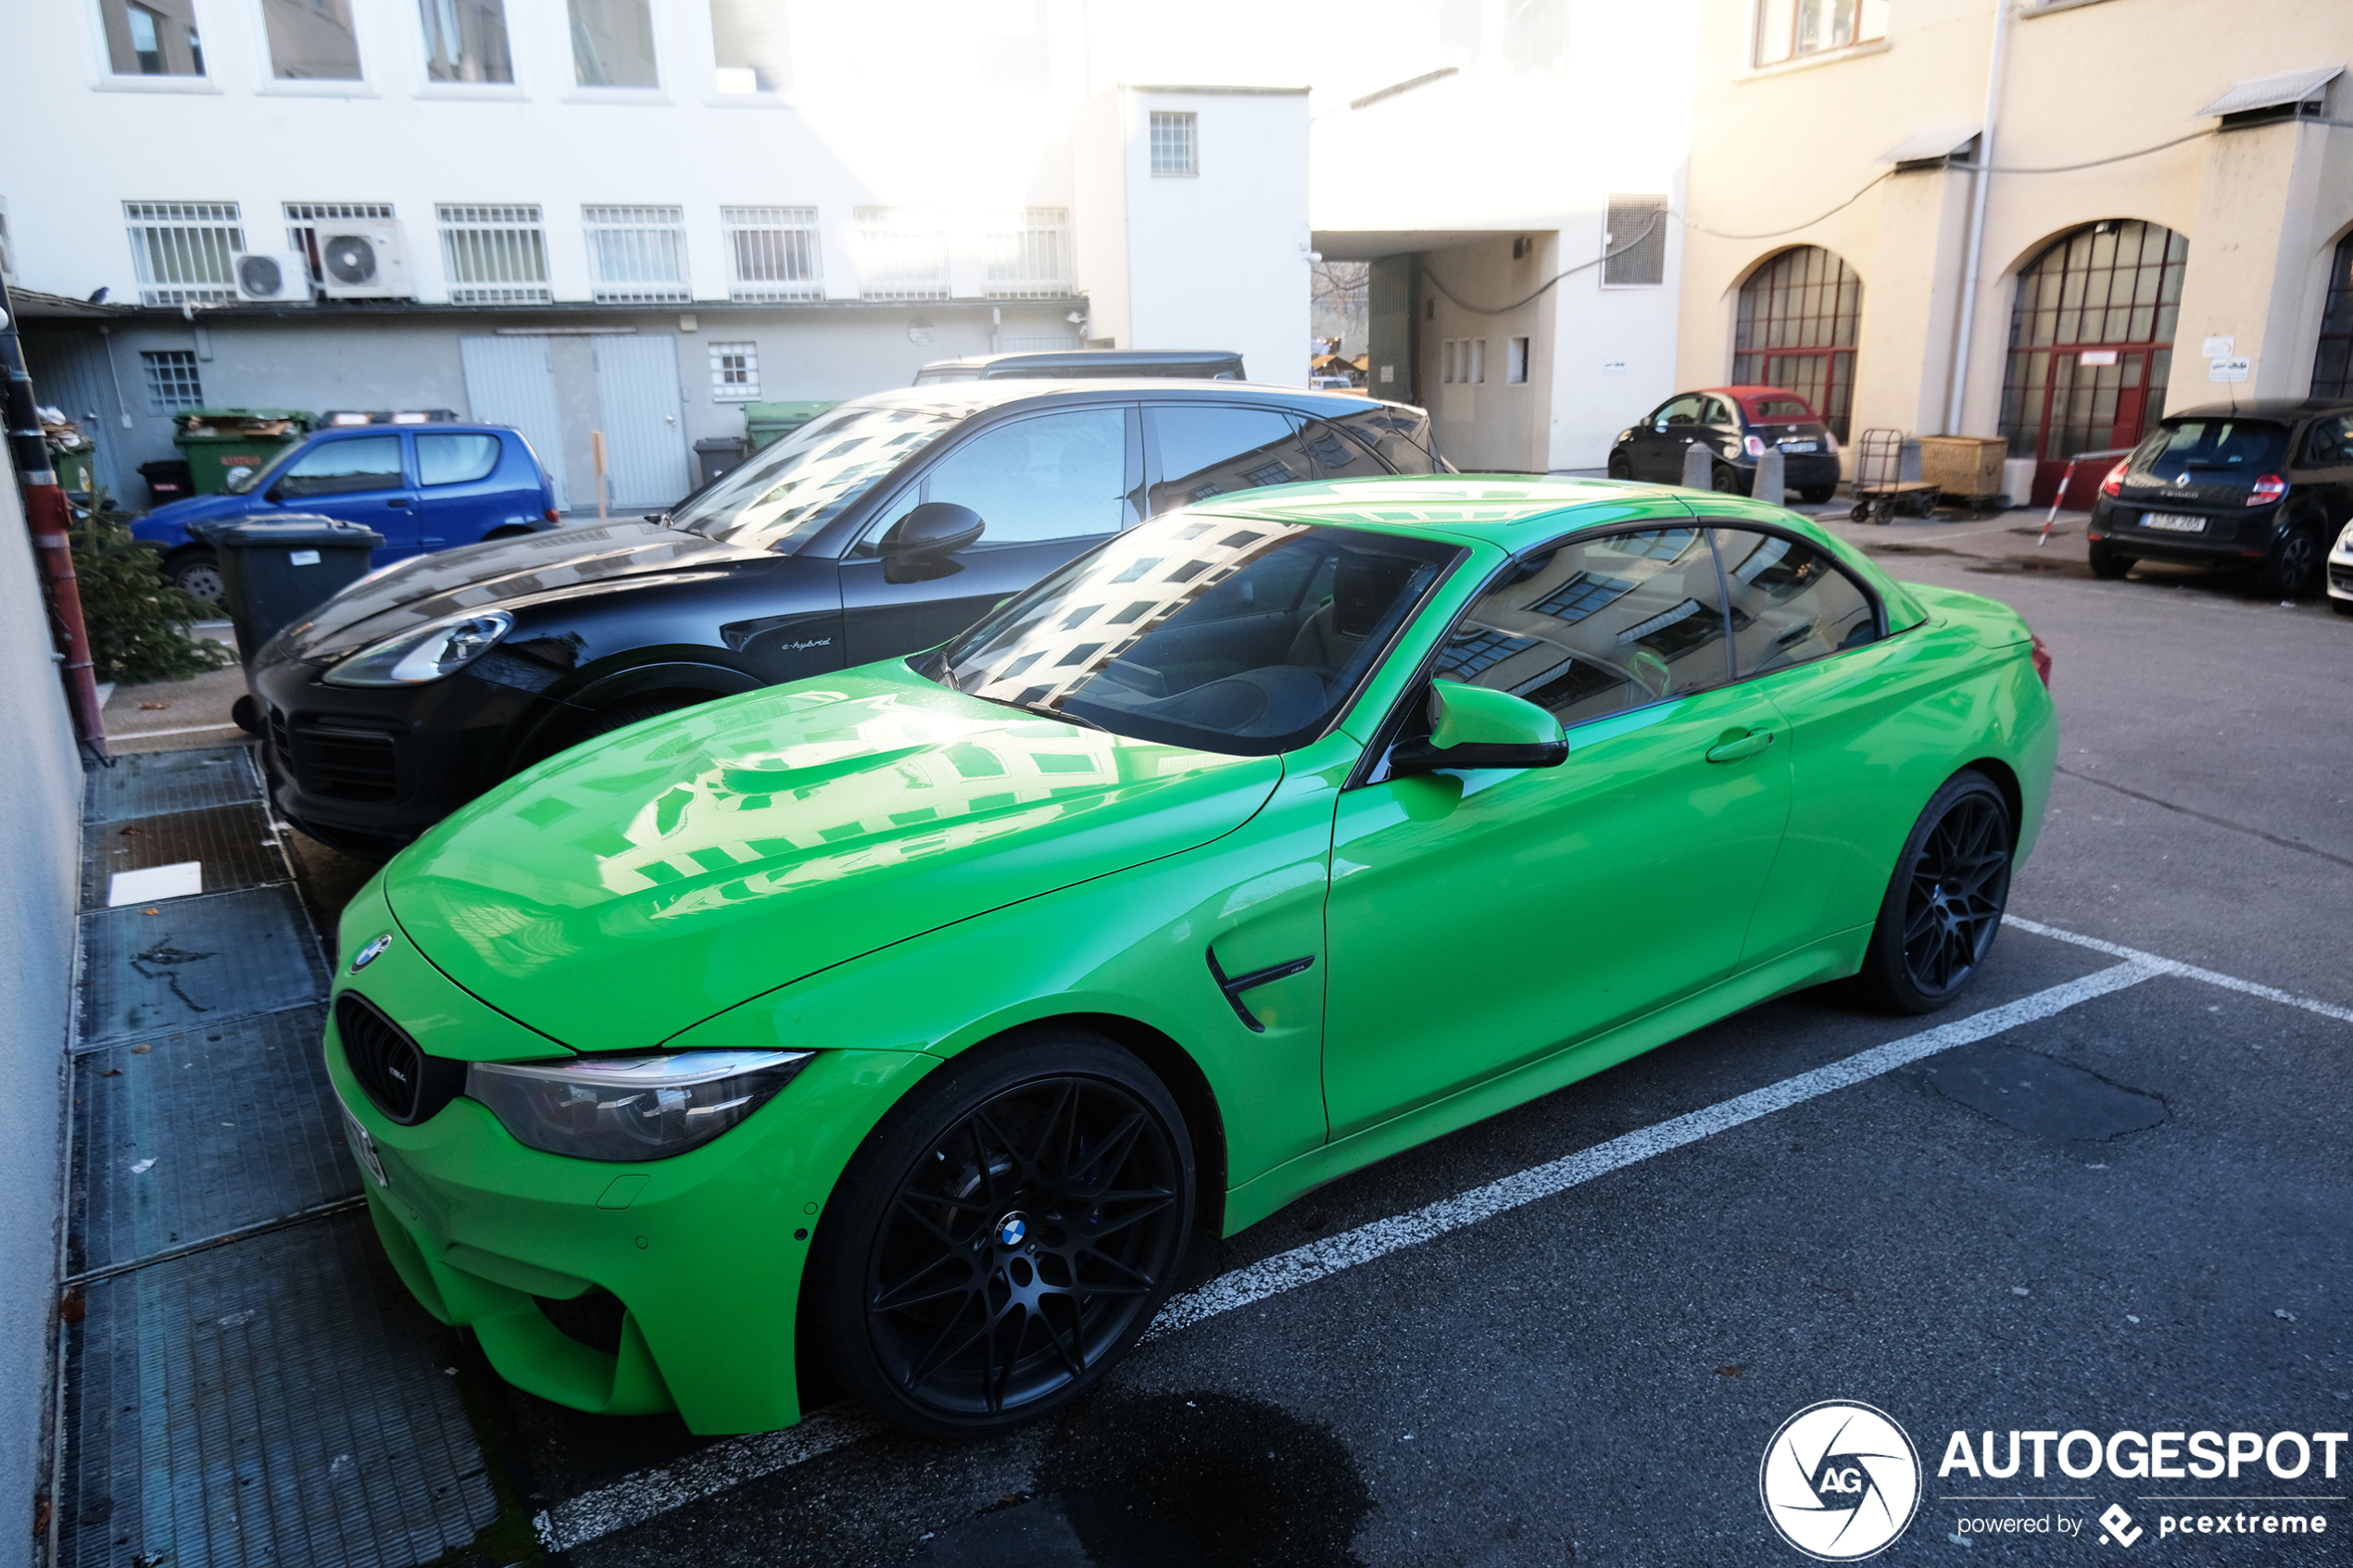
x=138 y=623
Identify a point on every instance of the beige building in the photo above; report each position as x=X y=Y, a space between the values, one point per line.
x=2168 y=220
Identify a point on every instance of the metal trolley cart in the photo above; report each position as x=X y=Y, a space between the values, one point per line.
x=1880 y=489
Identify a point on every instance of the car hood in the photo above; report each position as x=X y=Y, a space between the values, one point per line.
x=499 y=574
x=636 y=885
x=172 y=519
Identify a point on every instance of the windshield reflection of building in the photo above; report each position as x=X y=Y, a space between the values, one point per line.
x=1134 y=587
x=1596 y=628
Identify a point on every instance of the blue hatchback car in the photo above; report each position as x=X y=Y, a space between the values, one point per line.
x=424 y=487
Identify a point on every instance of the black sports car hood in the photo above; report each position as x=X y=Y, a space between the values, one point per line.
x=497 y=574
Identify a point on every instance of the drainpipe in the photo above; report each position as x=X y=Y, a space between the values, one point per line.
x=1977 y=223
x=47 y=515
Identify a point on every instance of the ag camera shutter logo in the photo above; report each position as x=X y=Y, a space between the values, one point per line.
x=1839 y=1481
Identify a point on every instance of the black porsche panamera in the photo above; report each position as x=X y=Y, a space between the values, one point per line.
x=885 y=527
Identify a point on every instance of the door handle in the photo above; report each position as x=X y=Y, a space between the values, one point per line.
x=1736 y=745
x=397 y=501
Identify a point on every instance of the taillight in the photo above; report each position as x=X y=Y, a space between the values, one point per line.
x=2042 y=658
x=2268 y=489
x=552 y=515
x=1830 y=442
x=1754 y=446
x=2114 y=483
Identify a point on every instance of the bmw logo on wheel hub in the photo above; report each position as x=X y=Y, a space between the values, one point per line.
x=1013 y=1230
x=1839 y=1481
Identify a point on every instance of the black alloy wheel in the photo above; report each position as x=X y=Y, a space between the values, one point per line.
x=1944 y=903
x=1726 y=480
x=1620 y=465
x=2106 y=565
x=2293 y=569
x=1003 y=1240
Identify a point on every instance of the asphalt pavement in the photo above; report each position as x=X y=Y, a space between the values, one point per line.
x=2106 y=1192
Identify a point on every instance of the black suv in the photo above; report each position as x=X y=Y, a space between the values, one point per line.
x=884 y=526
x=2262 y=483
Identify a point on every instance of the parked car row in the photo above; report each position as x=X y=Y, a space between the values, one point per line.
x=883 y=527
x=1736 y=425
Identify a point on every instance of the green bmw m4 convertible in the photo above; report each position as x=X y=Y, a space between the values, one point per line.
x=910 y=1019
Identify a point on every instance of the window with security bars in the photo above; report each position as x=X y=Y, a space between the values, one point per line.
x=171 y=378
x=735 y=372
x=1174 y=146
x=636 y=255
x=181 y=250
x=901 y=254
x=1028 y=253
x=771 y=253
x=1634 y=244
x=493 y=254
x=304 y=218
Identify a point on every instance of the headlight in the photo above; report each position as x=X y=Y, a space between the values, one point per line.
x=631 y=1106
x=414 y=657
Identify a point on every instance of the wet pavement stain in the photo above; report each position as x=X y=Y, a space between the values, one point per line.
x=2044 y=1096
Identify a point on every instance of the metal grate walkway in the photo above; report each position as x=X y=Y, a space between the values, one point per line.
x=243 y=1380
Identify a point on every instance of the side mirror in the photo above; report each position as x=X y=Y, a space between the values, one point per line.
x=1472 y=727
x=272 y=495
x=929 y=533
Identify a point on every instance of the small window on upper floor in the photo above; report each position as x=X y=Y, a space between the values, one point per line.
x=1173 y=144
x=311 y=40
x=750 y=46
x=612 y=43
x=1789 y=30
x=172 y=382
x=466 y=41
x=152 y=37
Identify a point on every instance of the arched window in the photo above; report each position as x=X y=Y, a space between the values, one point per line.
x=2091 y=346
x=1798 y=314
x=2333 y=367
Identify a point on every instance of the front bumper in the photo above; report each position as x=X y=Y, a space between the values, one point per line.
x=613 y=1288
x=2340 y=566
x=376 y=767
x=2230 y=538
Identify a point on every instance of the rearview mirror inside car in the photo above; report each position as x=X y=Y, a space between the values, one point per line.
x=1472 y=727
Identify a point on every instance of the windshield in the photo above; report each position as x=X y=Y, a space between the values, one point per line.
x=241 y=483
x=1229 y=634
x=2223 y=447
x=785 y=493
x=928 y=376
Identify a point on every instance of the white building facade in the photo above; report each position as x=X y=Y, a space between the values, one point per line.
x=619 y=217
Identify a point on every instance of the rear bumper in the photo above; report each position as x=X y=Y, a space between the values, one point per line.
x=2230 y=538
x=1801 y=471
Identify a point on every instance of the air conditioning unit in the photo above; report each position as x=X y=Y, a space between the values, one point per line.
x=270 y=277
x=363 y=259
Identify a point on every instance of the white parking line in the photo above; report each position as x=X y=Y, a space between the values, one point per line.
x=649 y=1494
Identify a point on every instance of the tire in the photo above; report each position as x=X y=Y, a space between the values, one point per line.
x=2342 y=606
x=1620 y=465
x=197 y=574
x=1726 y=480
x=2293 y=569
x=2106 y=565
x=1816 y=495
x=950 y=1274
x=505 y=533
x=246 y=714
x=1945 y=901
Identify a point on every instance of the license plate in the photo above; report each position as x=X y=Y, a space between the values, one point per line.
x=2173 y=522
x=1799 y=446
x=366 y=1146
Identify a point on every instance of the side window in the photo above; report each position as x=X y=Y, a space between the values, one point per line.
x=1334 y=455
x=455 y=459
x=1399 y=437
x=1720 y=415
x=2331 y=442
x=1056 y=476
x=1208 y=451
x=1598 y=626
x=1682 y=410
x=338 y=468
x=1790 y=604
